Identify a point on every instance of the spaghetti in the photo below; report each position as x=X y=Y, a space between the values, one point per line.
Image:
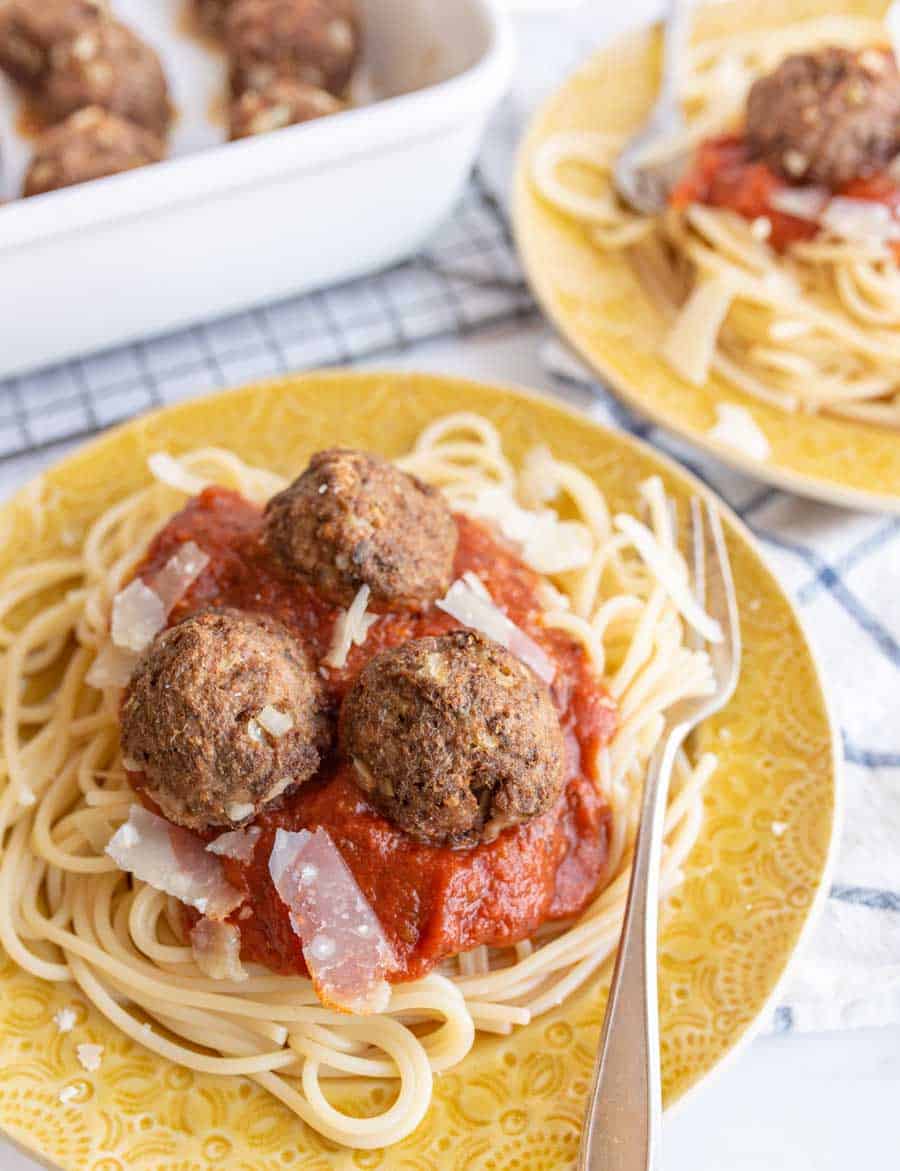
x=68 y=913
x=810 y=328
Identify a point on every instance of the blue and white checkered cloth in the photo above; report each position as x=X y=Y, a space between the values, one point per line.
x=842 y=569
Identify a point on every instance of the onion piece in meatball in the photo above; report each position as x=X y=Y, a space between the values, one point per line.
x=827 y=117
x=29 y=29
x=90 y=144
x=223 y=715
x=110 y=66
x=283 y=103
x=453 y=739
x=316 y=41
x=352 y=519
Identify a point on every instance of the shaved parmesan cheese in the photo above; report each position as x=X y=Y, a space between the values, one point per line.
x=172 y=860
x=238 y=810
x=538 y=482
x=237 y=843
x=691 y=341
x=660 y=563
x=68 y=1094
x=169 y=471
x=65 y=1020
x=805 y=203
x=343 y=943
x=351 y=628
x=474 y=608
x=861 y=220
x=736 y=427
x=276 y=723
x=179 y=574
x=112 y=667
x=216 y=948
x=138 y=615
x=89 y=1056
x=545 y=543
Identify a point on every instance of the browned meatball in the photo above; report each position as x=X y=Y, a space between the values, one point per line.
x=353 y=519
x=827 y=117
x=316 y=41
x=90 y=144
x=283 y=103
x=109 y=66
x=453 y=739
x=30 y=28
x=212 y=15
x=191 y=718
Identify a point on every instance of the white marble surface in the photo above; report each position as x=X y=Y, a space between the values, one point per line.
x=796 y=1103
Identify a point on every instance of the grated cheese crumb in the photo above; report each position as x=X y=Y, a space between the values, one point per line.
x=779 y=828
x=65 y=1020
x=67 y=1094
x=89 y=1056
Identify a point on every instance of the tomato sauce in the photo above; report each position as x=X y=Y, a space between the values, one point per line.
x=725 y=174
x=432 y=902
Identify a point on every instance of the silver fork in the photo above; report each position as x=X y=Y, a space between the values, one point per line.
x=624 y=1115
x=641 y=182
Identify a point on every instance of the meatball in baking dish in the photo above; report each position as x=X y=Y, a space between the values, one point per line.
x=89 y=144
x=29 y=29
x=110 y=66
x=224 y=713
x=352 y=519
x=316 y=41
x=827 y=117
x=453 y=739
x=282 y=103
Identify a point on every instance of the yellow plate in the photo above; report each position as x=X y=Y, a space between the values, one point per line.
x=597 y=304
x=516 y=1101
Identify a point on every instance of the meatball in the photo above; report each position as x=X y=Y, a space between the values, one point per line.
x=108 y=65
x=827 y=117
x=283 y=103
x=316 y=41
x=190 y=718
x=29 y=30
x=89 y=145
x=453 y=739
x=352 y=520
x=212 y=15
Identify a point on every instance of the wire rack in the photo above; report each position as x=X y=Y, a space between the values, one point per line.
x=467 y=279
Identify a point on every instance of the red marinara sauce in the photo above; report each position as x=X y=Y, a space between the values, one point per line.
x=725 y=174
x=432 y=902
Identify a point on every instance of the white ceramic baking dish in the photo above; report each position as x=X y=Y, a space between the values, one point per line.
x=225 y=225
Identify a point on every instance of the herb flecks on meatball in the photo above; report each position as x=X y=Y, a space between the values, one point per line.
x=316 y=41
x=827 y=117
x=29 y=29
x=110 y=66
x=283 y=103
x=89 y=144
x=453 y=739
x=197 y=718
x=352 y=519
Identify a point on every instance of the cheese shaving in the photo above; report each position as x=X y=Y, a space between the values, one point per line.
x=350 y=629
x=89 y=1056
x=736 y=428
x=216 y=948
x=473 y=607
x=174 y=861
x=690 y=344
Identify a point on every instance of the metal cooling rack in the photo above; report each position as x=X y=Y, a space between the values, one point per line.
x=467 y=279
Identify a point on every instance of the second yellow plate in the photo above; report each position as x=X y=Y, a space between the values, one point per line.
x=598 y=305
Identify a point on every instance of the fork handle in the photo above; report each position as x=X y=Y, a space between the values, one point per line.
x=677 y=35
x=624 y=1115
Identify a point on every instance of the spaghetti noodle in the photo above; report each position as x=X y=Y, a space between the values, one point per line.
x=812 y=328
x=68 y=913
